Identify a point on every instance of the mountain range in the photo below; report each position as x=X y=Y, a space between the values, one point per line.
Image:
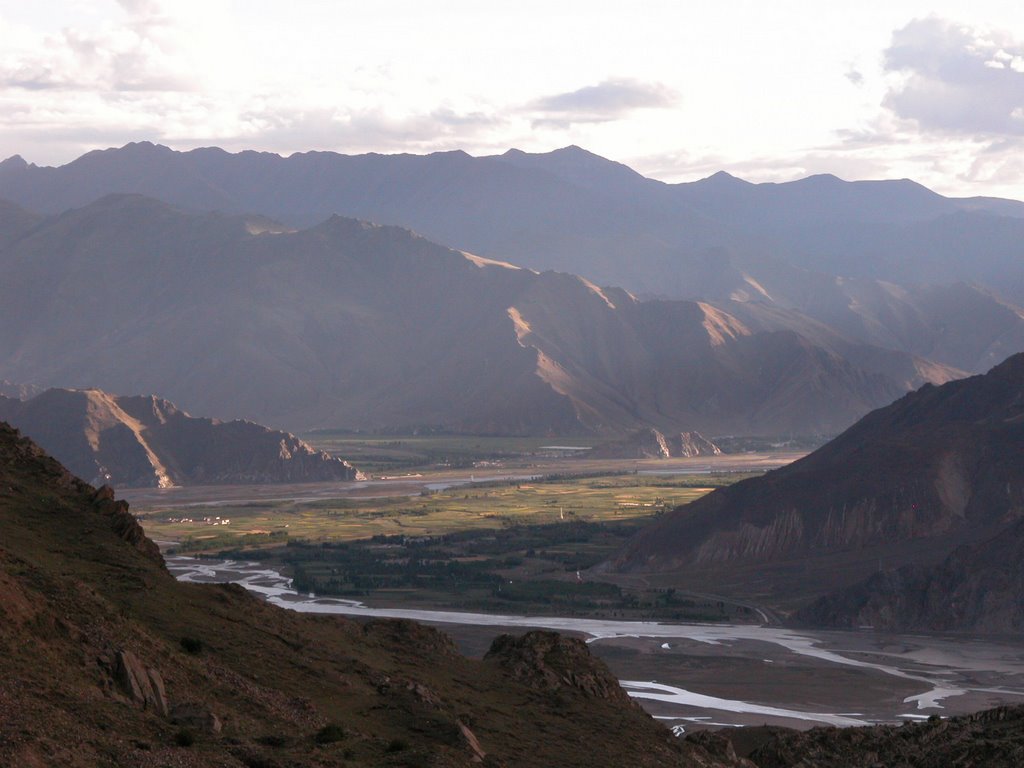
x=889 y=501
x=373 y=327
x=147 y=441
x=887 y=263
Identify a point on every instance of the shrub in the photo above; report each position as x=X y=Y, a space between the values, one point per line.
x=273 y=740
x=329 y=734
x=184 y=738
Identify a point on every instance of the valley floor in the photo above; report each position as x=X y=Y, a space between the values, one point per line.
x=689 y=675
x=709 y=675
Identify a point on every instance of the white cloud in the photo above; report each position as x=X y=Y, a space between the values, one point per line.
x=142 y=52
x=609 y=100
x=956 y=79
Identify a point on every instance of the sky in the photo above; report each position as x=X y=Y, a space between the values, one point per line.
x=677 y=90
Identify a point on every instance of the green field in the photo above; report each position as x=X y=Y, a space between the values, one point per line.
x=503 y=546
x=477 y=506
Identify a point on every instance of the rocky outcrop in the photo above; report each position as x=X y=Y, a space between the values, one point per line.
x=472 y=743
x=147 y=441
x=144 y=686
x=124 y=524
x=720 y=747
x=549 y=661
x=993 y=738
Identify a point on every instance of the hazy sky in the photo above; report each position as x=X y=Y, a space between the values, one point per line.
x=766 y=90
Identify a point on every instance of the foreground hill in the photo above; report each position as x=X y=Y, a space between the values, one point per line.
x=147 y=441
x=939 y=467
x=351 y=324
x=990 y=739
x=107 y=660
x=848 y=254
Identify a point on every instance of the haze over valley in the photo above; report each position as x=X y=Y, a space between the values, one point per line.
x=401 y=385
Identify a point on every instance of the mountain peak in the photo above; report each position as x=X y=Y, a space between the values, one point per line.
x=146 y=147
x=722 y=180
x=14 y=162
x=822 y=179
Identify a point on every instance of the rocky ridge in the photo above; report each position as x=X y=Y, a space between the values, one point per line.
x=138 y=441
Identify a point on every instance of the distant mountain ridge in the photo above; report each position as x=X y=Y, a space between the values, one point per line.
x=852 y=255
x=364 y=326
x=146 y=441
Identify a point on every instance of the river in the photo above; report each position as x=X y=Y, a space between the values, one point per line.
x=700 y=675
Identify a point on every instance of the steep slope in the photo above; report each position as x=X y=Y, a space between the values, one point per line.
x=147 y=441
x=977 y=588
x=107 y=660
x=350 y=324
x=15 y=222
x=906 y=483
x=959 y=325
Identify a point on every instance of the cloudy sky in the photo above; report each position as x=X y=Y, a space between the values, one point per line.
x=678 y=90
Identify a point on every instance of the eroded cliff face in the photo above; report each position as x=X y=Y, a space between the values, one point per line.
x=653 y=444
x=147 y=441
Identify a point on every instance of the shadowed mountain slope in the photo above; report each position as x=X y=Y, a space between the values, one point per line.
x=356 y=325
x=15 y=222
x=146 y=441
x=107 y=660
x=908 y=482
x=576 y=212
x=977 y=588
